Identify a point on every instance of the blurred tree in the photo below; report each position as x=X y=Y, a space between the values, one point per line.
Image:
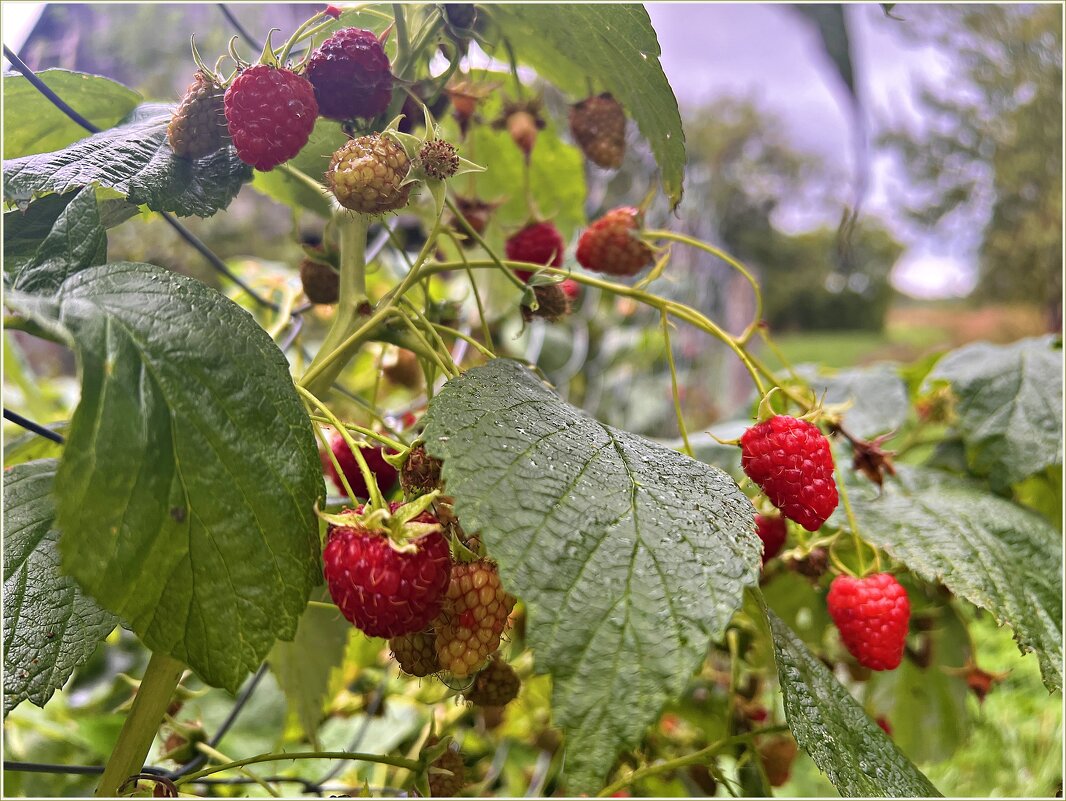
x=991 y=142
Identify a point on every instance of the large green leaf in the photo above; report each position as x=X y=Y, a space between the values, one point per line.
x=994 y=553
x=190 y=472
x=303 y=667
x=33 y=124
x=614 y=46
x=877 y=397
x=630 y=556
x=850 y=748
x=135 y=160
x=50 y=625
x=1009 y=406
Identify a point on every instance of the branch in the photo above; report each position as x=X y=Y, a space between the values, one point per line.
x=36 y=428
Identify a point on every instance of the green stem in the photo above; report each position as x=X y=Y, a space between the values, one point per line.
x=403 y=43
x=695 y=758
x=389 y=442
x=353 y=297
x=153 y=697
x=673 y=381
x=398 y=762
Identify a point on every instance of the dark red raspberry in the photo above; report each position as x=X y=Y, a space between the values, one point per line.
x=610 y=246
x=271 y=113
x=382 y=591
x=791 y=461
x=384 y=473
x=537 y=243
x=350 y=73
x=872 y=614
x=772 y=530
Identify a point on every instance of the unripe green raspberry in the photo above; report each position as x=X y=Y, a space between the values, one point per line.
x=366 y=174
x=416 y=653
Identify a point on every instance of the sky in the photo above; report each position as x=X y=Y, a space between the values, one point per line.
x=767 y=51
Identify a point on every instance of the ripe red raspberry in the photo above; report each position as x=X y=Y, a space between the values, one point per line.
x=537 y=243
x=599 y=126
x=474 y=616
x=367 y=173
x=198 y=127
x=772 y=530
x=271 y=113
x=416 y=653
x=350 y=73
x=496 y=685
x=791 y=461
x=384 y=473
x=609 y=245
x=382 y=591
x=872 y=615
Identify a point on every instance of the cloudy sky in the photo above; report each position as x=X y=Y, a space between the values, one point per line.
x=770 y=53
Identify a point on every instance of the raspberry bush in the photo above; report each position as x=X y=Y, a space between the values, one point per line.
x=250 y=483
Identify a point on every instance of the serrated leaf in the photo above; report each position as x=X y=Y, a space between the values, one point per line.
x=615 y=46
x=303 y=666
x=190 y=472
x=76 y=240
x=629 y=556
x=877 y=394
x=991 y=552
x=33 y=124
x=850 y=748
x=1009 y=406
x=135 y=160
x=50 y=625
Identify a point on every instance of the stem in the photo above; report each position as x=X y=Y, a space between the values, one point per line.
x=673 y=381
x=353 y=229
x=403 y=43
x=695 y=758
x=217 y=755
x=153 y=697
x=366 y=432
x=399 y=762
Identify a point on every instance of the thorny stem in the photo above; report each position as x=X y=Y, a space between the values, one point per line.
x=399 y=762
x=218 y=756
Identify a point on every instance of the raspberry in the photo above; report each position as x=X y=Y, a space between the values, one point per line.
x=271 y=113
x=777 y=756
x=439 y=159
x=420 y=473
x=772 y=531
x=321 y=282
x=384 y=473
x=198 y=127
x=474 y=616
x=496 y=685
x=608 y=245
x=366 y=174
x=416 y=653
x=382 y=591
x=599 y=126
x=447 y=785
x=523 y=121
x=553 y=304
x=350 y=74
x=872 y=614
x=460 y=15
x=791 y=461
x=403 y=369
x=537 y=243
x=882 y=721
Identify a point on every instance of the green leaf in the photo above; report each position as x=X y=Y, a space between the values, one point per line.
x=303 y=666
x=561 y=200
x=614 y=46
x=877 y=394
x=629 y=556
x=919 y=700
x=135 y=160
x=190 y=473
x=33 y=124
x=1009 y=406
x=313 y=160
x=850 y=748
x=76 y=241
x=991 y=552
x=50 y=625
x=31 y=446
